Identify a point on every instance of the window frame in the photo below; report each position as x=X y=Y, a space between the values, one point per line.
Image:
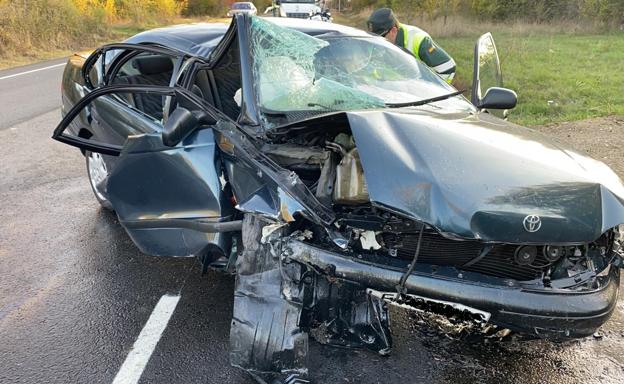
x=88 y=144
x=129 y=50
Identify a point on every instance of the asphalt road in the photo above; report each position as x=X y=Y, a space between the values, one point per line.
x=75 y=293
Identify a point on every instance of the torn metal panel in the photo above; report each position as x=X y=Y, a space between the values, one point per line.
x=265 y=337
x=276 y=205
x=343 y=314
x=282 y=188
x=261 y=202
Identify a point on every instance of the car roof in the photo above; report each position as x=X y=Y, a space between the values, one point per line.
x=199 y=39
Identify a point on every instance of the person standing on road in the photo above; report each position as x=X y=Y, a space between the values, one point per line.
x=383 y=22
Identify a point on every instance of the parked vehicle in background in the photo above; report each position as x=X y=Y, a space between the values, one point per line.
x=242 y=7
x=300 y=9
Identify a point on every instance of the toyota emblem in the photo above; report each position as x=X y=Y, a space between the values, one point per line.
x=532 y=223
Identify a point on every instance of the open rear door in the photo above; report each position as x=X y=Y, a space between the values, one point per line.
x=169 y=198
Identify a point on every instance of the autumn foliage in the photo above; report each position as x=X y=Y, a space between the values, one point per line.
x=67 y=24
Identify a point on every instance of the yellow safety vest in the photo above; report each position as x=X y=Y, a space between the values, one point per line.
x=411 y=38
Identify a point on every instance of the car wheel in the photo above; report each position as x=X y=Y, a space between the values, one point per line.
x=97 y=172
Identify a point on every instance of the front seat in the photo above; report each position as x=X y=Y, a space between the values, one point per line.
x=153 y=70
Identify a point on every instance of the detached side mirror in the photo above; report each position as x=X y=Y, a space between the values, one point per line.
x=181 y=123
x=498 y=98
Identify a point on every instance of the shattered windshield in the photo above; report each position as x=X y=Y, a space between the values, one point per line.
x=295 y=72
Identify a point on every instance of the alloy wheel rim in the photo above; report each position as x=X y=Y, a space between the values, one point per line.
x=97 y=172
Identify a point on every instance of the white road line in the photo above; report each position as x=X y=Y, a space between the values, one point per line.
x=132 y=369
x=31 y=71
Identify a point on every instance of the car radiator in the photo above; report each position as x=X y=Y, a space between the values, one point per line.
x=438 y=250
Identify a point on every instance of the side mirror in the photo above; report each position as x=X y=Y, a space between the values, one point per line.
x=487 y=72
x=181 y=123
x=487 y=75
x=498 y=98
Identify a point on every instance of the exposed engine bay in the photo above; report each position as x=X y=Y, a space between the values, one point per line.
x=339 y=304
x=329 y=164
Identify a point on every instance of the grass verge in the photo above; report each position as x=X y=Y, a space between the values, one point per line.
x=561 y=71
x=118 y=32
x=35 y=55
x=557 y=77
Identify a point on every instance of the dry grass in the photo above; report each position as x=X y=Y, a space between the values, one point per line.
x=457 y=26
x=33 y=56
x=33 y=30
x=51 y=24
x=117 y=32
x=460 y=26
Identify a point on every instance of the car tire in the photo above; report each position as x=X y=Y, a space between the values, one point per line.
x=97 y=173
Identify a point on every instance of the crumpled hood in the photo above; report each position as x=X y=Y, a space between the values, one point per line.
x=480 y=177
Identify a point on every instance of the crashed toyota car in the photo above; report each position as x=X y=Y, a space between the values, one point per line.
x=334 y=174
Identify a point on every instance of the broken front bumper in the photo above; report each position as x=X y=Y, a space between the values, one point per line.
x=544 y=312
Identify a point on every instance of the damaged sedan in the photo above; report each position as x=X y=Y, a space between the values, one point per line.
x=335 y=174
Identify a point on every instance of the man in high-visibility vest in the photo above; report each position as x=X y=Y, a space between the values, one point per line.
x=383 y=22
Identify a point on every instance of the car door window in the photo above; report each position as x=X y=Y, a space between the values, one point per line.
x=129 y=88
x=145 y=68
x=96 y=75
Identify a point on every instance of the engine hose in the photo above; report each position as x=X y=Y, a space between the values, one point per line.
x=401 y=286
